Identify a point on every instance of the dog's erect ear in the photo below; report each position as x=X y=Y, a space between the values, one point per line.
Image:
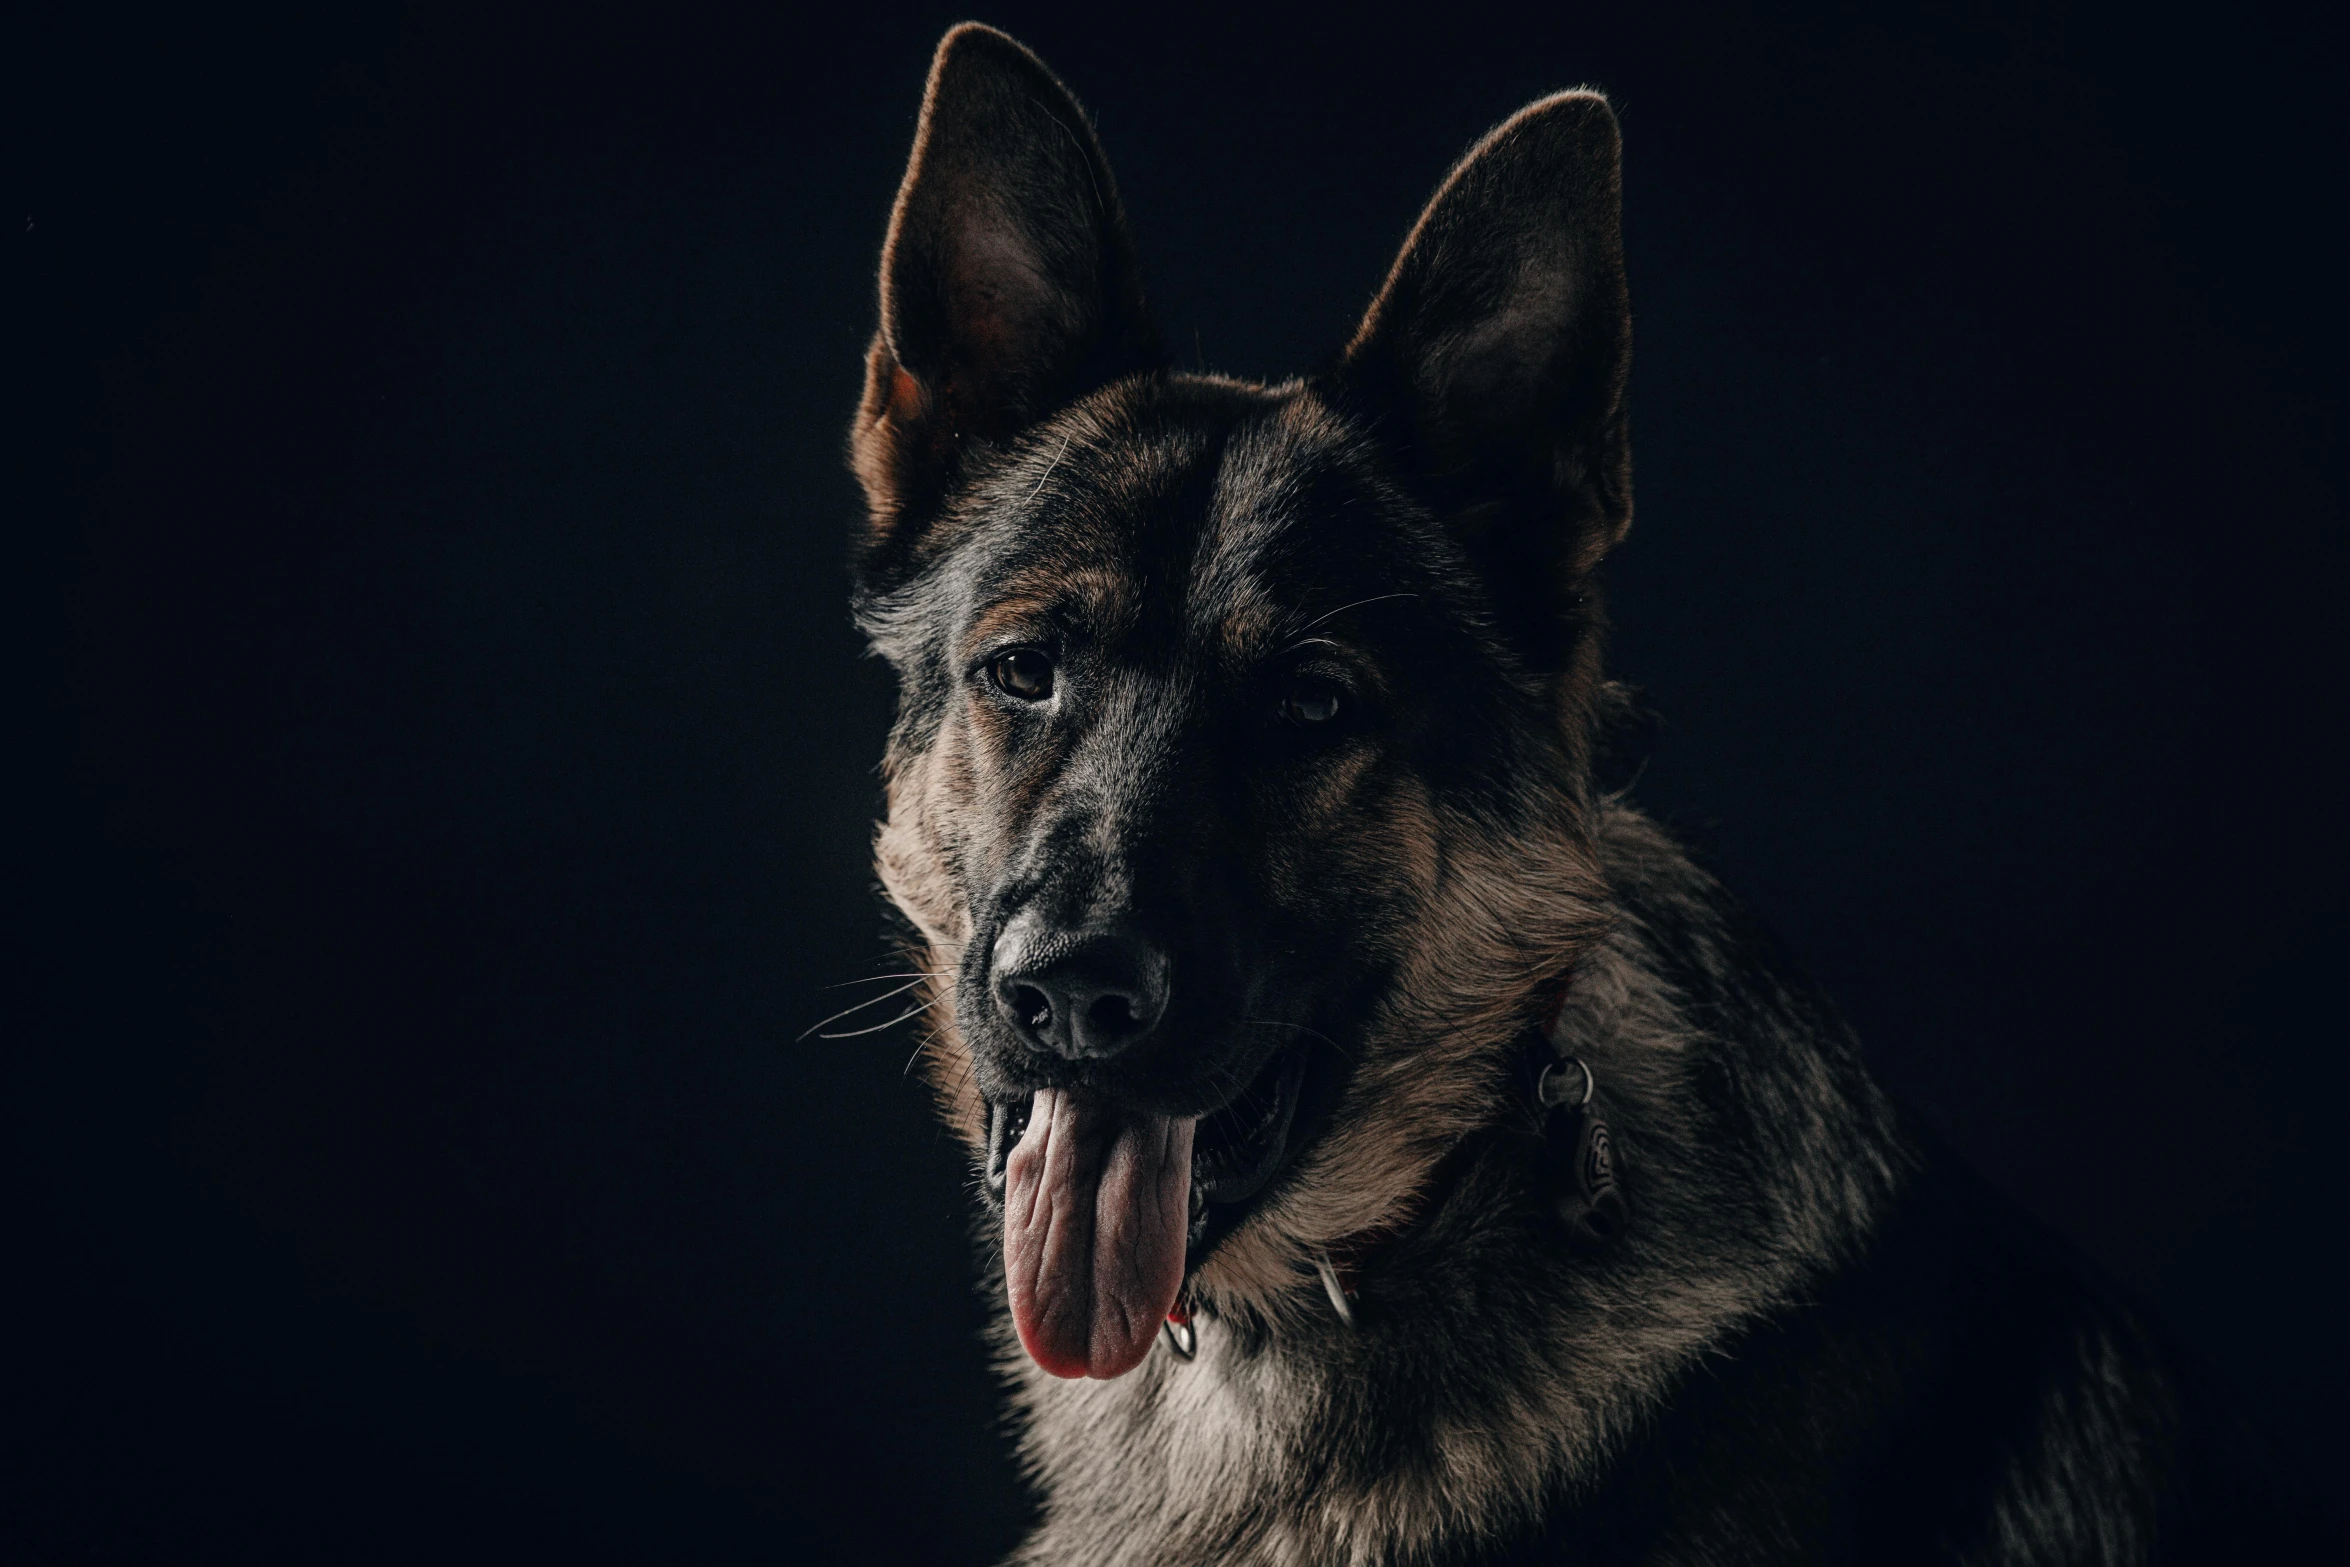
x=1497 y=352
x=1008 y=283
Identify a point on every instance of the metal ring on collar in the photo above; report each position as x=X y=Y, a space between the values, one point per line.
x=1552 y=1089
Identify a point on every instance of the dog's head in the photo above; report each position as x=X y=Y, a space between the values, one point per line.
x=1239 y=785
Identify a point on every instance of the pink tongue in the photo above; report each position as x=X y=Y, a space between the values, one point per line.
x=1096 y=1201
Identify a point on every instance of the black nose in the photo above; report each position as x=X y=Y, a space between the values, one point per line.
x=1093 y=994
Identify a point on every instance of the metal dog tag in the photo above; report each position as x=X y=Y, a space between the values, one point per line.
x=1583 y=1187
x=1589 y=1202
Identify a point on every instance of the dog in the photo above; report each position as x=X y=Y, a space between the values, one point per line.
x=1390 y=1146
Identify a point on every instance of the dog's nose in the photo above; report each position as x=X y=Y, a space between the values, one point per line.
x=1092 y=995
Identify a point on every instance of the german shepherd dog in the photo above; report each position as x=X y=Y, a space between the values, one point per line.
x=1392 y=1147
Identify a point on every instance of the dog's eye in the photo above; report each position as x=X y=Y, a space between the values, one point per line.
x=1024 y=672
x=1310 y=702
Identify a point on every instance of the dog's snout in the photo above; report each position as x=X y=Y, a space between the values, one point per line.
x=1090 y=994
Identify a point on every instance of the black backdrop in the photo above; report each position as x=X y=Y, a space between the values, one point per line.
x=450 y=767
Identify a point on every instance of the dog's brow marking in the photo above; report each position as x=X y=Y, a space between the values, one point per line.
x=1101 y=599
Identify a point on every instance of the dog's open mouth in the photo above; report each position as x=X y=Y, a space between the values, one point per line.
x=1238 y=1148
x=1106 y=1208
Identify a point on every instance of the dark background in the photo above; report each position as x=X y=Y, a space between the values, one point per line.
x=448 y=766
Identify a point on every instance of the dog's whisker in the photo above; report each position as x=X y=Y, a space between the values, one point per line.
x=875 y=979
x=869 y=1001
x=859 y=1033
x=1376 y=598
x=924 y=1043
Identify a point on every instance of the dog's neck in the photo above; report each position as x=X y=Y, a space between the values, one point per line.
x=1491 y=1368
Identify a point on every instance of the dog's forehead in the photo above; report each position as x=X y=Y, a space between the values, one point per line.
x=1193 y=519
x=1275 y=528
